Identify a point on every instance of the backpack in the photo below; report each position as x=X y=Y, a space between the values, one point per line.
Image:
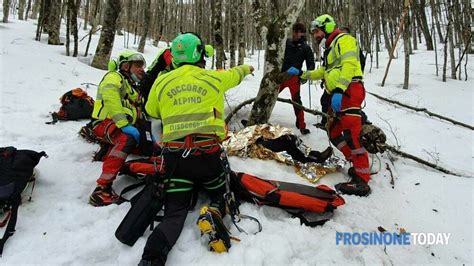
x=75 y=104
x=16 y=172
x=299 y=200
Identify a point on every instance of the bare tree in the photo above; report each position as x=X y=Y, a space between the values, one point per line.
x=21 y=9
x=146 y=25
x=6 y=10
x=273 y=28
x=86 y=14
x=241 y=27
x=107 y=35
x=54 y=22
x=406 y=45
x=218 y=40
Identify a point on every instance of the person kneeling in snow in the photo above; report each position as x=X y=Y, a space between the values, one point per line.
x=190 y=102
x=116 y=110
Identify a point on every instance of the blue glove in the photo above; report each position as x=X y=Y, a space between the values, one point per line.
x=293 y=71
x=336 y=102
x=132 y=131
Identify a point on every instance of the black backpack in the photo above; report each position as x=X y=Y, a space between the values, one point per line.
x=16 y=172
x=75 y=104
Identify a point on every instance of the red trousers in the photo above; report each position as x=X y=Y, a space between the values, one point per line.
x=294 y=84
x=345 y=131
x=123 y=145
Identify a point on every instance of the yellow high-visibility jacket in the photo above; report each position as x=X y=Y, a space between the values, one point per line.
x=341 y=66
x=116 y=100
x=190 y=100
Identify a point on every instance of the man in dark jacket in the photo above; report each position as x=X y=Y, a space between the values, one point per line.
x=296 y=52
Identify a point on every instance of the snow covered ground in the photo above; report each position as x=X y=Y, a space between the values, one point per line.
x=58 y=227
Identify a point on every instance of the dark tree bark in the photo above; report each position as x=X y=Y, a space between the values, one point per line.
x=218 y=40
x=21 y=9
x=107 y=35
x=241 y=27
x=86 y=14
x=423 y=22
x=146 y=25
x=54 y=22
x=6 y=10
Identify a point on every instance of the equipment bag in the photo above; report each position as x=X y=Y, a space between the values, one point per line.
x=295 y=198
x=75 y=104
x=16 y=172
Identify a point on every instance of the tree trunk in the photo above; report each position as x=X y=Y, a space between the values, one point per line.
x=218 y=41
x=146 y=25
x=107 y=35
x=423 y=22
x=233 y=31
x=94 y=20
x=28 y=8
x=73 y=25
x=406 y=45
x=21 y=9
x=86 y=14
x=273 y=28
x=54 y=22
x=68 y=25
x=241 y=32
x=35 y=9
x=450 y=39
x=6 y=10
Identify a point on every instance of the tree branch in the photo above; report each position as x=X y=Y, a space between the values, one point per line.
x=421 y=161
x=424 y=110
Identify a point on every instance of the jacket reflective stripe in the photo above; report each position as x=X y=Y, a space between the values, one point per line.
x=358 y=151
x=344 y=81
x=183 y=133
x=362 y=170
x=119 y=117
x=208 y=83
x=187 y=118
x=164 y=86
x=215 y=78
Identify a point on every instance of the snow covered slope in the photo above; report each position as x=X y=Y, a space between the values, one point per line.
x=59 y=227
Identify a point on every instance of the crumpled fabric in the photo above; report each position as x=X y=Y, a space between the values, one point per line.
x=243 y=144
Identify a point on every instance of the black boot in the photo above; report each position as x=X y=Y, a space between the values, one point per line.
x=357 y=186
x=320 y=157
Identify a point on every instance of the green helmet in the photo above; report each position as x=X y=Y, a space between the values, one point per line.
x=324 y=22
x=125 y=56
x=187 y=48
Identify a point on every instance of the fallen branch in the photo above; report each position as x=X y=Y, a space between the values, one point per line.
x=249 y=101
x=424 y=110
x=421 y=161
x=392 y=181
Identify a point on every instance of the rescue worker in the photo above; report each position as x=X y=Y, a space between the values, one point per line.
x=342 y=75
x=190 y=102
x=296 y=52
x=116 y=110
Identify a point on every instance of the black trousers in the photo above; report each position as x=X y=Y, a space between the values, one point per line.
x=187 y=174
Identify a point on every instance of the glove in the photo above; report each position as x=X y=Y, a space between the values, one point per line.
x=293 y=71
x=132 y=131
x=336 y=102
